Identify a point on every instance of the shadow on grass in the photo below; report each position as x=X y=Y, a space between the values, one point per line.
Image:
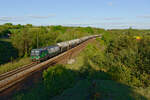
x=7 y=52
x=86 y=84
x=96 y=85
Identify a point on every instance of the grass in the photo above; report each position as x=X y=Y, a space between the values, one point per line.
x=13 y=65
x=108 y=89
x=77 y=64
x=103 y=90
x=144 y=91
x=95 y=84
x=5 y=39
x=9 y=53
x=79 y=61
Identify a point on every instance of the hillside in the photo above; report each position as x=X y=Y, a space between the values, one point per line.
x=114 y=67
x=23 y=38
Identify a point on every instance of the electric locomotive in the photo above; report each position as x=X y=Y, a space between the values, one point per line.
x=41 y=54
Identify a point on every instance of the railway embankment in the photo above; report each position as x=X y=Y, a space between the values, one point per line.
x=25 y=79
x=114 y=67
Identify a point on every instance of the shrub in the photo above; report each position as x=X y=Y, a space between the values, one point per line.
x=129 y=59
x=57 y=78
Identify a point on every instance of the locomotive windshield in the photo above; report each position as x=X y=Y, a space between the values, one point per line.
x=35 y=52
x=32 y=53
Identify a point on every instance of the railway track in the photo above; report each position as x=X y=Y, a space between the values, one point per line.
x=11 y=79
x=15 y=71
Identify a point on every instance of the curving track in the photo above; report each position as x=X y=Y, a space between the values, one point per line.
x=12 y=78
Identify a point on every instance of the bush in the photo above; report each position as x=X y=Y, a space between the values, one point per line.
x=124 y=58
x=128 y=59
x=57 y=78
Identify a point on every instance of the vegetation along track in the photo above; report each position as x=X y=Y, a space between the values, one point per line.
x=15 y=71
x=12 y=79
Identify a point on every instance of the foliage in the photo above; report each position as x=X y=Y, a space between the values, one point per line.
x=132 y=56
x=118 y=57
x=99 y=90
x=7 y=51
x=126 y=59
x=13 y=65
x=24 y=38
x=7 y=27
x=58 y=78
x=27 y=38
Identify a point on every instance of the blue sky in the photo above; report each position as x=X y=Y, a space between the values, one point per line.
x=95 y=13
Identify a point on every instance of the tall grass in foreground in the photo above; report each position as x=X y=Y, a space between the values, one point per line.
x=13 y=65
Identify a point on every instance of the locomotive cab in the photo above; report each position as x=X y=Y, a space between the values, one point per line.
x=39 y=54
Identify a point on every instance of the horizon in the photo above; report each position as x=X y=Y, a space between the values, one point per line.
x=110 y=14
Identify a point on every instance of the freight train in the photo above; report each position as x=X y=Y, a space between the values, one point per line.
x=42 y=54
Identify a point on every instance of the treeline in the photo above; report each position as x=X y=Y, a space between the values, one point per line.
x=5 y=29
x=125 y=58
x=27 y=37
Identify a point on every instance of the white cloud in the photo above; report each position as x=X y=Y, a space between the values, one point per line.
x=41 y=17
x=144 y=16
x=107 y=25
x=113 y=18
x=101 y=22
x=5 y=19
x=96 y=18
x=10 y=19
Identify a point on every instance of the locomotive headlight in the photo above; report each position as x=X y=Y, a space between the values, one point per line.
x=37 y=57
